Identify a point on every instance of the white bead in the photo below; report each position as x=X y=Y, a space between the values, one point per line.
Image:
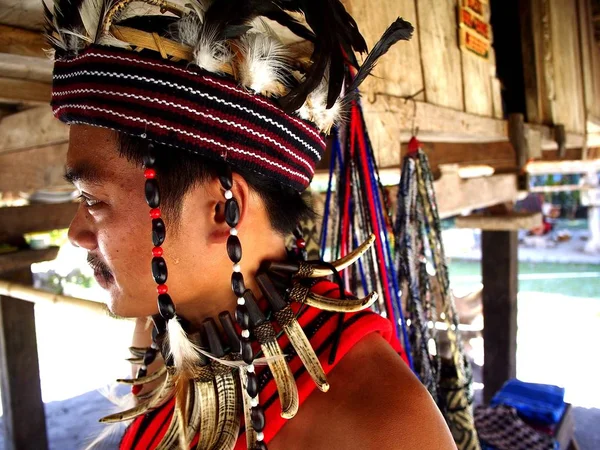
x=154 y=345
x=254 y=402
x=250 y=368
x=241 y=301
x=144 y=367
x=245 y=334
x=237 y=268
x=260 y=436
x=228 y=194
x=233 y=231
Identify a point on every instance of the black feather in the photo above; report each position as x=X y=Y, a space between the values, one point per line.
x=337 y=37
x=400 y=30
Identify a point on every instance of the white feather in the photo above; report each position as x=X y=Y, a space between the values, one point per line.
x=90 y=12
x=184 y=352
x=210 y=53
x=189 y=29
x=110 y=40
x=265 y=63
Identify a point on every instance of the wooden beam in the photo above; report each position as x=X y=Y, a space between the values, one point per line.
x=23 y=259
x=24 y=419
x=24 y=91
x=499 y=267
x=437 y=123
x=562 y=167
x=19 y=291
x=32 y=170
x=36 y=217
x=25 y=68
x=513 y=221
x=19 y=41
x=456 y=195
x=33 y=128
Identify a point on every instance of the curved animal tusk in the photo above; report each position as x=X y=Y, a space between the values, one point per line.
x=159 y=399
x=228 y=424
x=287 y=321
x=284 y=379
x=144 y=380
x=320 y=271
x=302 y=294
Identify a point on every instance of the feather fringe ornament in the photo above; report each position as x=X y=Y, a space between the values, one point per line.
x=264 y=65
x=183 y=351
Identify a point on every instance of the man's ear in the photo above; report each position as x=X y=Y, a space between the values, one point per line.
x=241 y=195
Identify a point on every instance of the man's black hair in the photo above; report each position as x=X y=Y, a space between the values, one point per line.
x=179 y=171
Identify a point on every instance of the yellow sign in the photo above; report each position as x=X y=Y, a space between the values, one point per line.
x=475 y=29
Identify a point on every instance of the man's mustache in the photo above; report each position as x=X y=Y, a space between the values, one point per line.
x=98 y=265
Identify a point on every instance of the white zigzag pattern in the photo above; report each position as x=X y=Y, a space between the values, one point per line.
x=187 y=133
x=194 y=111
x=210 y=80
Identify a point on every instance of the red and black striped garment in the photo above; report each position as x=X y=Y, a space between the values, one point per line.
x=147 y=431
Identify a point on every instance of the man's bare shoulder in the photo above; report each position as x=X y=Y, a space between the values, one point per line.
x=375 y=402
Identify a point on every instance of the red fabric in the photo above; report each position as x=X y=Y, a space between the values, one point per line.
x=145 y=432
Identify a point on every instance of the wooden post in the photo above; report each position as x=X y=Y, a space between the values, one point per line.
x=24 y=418
x=499 y=264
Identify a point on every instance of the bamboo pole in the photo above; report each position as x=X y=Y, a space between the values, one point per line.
x=27 y=293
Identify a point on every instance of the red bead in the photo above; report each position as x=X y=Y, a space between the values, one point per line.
x=162 y=289
x=155 y=213
x=149 y=174
x=135 y=390
x=301 y=243
x=157 y=252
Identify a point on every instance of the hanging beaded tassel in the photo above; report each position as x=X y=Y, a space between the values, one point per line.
x=234 y=251
x=183 y=352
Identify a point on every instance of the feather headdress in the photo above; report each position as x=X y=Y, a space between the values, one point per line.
x=294 y=51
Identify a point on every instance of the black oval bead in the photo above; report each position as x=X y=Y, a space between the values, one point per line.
x=226 y=178
x=141 y=373
x=149 y=158
x=159 y=270
x=149 y=356
x=247 y=352
x=232 y=212
x=152 y=193
x=242 y=317
x=258 y=419
x=159 y=232
x=166 y=307
x=234 y=249
x=252 y=386
x=260 y=445
x=237 y=284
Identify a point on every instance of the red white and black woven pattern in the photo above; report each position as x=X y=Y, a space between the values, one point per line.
x=190 y=109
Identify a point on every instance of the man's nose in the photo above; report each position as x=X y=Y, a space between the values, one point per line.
x=80 y=232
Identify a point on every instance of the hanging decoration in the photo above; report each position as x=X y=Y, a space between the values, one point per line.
x=419 y=251
x=355 y=208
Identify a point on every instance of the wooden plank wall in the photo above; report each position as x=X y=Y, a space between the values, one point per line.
x=568 y=107
x=432 y=65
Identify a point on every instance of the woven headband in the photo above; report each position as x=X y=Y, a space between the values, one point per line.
x=188 y=108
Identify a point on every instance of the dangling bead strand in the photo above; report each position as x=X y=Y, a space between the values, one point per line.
x=166 y=307
x=234 y=251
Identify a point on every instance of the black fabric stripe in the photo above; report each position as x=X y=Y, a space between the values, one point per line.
x=201 y=126
x=116 y=124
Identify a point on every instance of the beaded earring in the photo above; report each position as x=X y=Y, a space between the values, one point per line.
x=234 y=251
x=182 y=352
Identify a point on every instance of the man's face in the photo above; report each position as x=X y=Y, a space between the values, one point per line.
x=114 y=226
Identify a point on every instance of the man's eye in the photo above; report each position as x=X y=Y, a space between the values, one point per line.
x=89 y=202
